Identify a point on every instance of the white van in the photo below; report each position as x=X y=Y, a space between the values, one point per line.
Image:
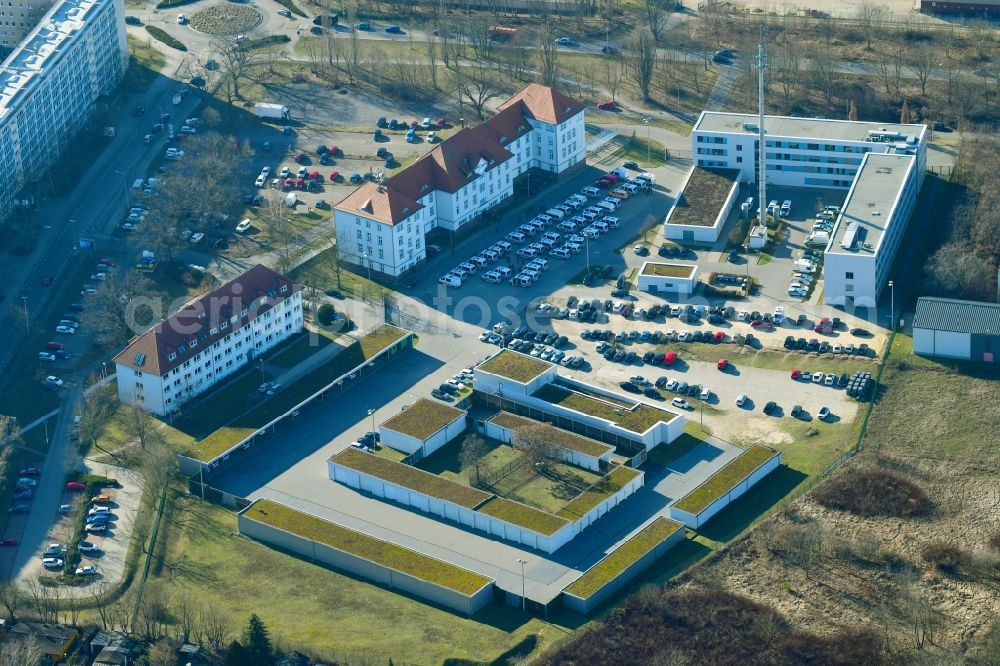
x=468 y=267
x=504 y=271
x=579 y=199
x=544 y=219
x=560 y=253
x=527 y=252
x=450 y=280
x=492 y=276
x=610 y=221
x=548 y=243
x=478 y=261
x=575 y=248
x=601 y=226
x=491 y=255
x=568 y=225
x=503 y=246
x=541 y=263
x=516 y=237
x=556 y=213
x=521 y=281
x=590 y=191
x=607 y=205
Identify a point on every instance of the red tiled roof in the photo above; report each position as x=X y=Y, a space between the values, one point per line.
x=544 y=103
x=382 y=203
x=256 y=291
x=451 y=164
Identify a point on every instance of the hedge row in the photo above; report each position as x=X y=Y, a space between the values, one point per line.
x=163 y=36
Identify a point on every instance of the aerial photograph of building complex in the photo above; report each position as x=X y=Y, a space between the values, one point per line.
x=499 y=334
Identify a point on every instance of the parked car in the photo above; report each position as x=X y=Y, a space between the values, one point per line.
x=75 y=486
x=681 y=403
x=53 y=562
x=88 y=547
x=824 y=413
x=89 y=570
x=30 y=471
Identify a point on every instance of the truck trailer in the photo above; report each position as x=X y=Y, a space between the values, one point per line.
x=267 y=110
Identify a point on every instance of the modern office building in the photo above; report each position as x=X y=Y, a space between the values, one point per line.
x=208 y=339
x=881 y=165
x=382 y=226
x=801 y=152
x=49 y=85
x=869 y=229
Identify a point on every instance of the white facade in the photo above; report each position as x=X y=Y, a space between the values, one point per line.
x=800 y=152
x=382 y=226
x=694 y=233
x=50 y=83
x=952 y=344
x=161 y=394
x=869 y=229
x=652 y=283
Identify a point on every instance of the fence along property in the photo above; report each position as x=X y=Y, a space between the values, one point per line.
x=366 y=556
x=217 y=446
x=622 y=564
x=728 y=483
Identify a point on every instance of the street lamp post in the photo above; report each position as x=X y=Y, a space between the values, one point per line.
x=128 y=199
x=371 y=413
x=646 y=120
x=27 y=327
x=261 y=370
x=522 y=562
x=892 y=305
x=746 y=248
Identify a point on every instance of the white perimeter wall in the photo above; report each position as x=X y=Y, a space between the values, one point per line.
x=696 y=521
x=929 y=342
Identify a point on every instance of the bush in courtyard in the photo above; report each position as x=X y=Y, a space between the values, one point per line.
x=162 y=35
x=874 y=492
x=326 y=314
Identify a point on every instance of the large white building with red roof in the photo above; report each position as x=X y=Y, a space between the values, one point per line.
x=382 y=226
x=208 y=339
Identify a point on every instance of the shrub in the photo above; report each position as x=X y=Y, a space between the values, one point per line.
x=874 y=492
x=326 y=314
x=163 y=36
x=944 y=556
x=994 y=541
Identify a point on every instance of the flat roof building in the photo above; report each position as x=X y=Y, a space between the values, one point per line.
x=49 y=85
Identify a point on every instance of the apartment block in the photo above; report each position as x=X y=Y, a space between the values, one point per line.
x=49 y=85
x=382 y=226
x=208 y=340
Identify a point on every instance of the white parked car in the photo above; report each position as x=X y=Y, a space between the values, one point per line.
x=46 y=356
x=100 y=277
x=54 y=380
x=196 y=238
x=243 y=225
x=89 y=570
x=741 y=399
x=681 y=403
x=261 y=180
x=65 y=330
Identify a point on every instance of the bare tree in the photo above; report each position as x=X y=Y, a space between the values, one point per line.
x=216 y=625
x=238 y=62
x=103 y=593
x=640 y=54
x=921 y=61
x=278 y=218
x=140 y=425
x=10 y=597
x=871 y=17
x=25 y=652
x=613 y=76
x=126 y=304
x=159 y=464
x=788 y=66
x=96 y=412
x=153 y=612
x=162 y=653
x=472 y=452
x=548 y=61
x=10 y=439
x=477 y=88
x=656 y=16
x=534 y=444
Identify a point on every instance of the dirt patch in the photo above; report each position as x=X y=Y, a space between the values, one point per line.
x=226 y=19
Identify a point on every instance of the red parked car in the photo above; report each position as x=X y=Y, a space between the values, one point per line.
x=722 y=364
x=55 y=346
x=75 y=486
x=300 y=183
x=8 y=542
x=796 y=373
x=608 y=106
x=669 y=358
x=441 y=123
x=314 y=175
x=107 y=262
x=334 y=176
x=760 y=323
x=720 y=336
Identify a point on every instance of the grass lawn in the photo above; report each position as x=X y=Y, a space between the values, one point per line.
x=600 y=491
x=622 y=557
x=445 y=461
x=36 y=440
x=323 y=611
x=549 y=491
x=724 y=480
x=302 y=347
x=320 y=272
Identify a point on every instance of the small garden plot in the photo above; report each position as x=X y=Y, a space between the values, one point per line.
x=549 y=487
x=600 y=491
x=227 y=19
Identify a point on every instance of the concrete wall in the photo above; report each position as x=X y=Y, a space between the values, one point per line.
x=697 y=520
x=697 y=233
x=590 y=603
x=378 y=573
x=929 y=342
x=490 y=383
x=409 y=444
x=577 y=458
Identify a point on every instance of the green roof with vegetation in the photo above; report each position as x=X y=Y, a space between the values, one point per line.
x=597 y=493
x=411 y=477
x=374 y=550
x=702 y=196
x=667 y=270
x=515 y=366
x=624 y=556
x=523 y=515
x=638 y=419
x=231 y=431
x=556 y=436
x=725 y=479
x=423 y=418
